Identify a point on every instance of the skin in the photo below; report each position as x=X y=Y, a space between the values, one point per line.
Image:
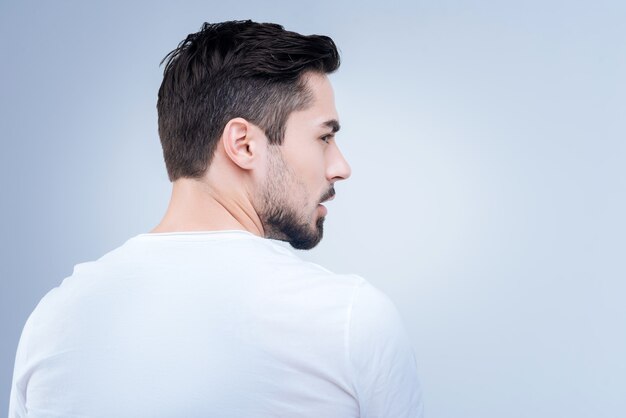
x=251 y=184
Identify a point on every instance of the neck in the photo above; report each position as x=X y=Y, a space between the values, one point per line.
x=198 y=205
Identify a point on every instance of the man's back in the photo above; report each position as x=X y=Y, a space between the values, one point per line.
x=221 y=324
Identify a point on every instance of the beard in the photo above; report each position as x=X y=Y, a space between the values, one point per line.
x=284 y=211
x=284 y=225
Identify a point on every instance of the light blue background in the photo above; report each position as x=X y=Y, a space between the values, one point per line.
x=488 y=147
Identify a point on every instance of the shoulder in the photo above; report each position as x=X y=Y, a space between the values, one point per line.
x=374 y=318
x=381 y=356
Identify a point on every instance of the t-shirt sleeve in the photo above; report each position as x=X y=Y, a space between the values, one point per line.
x=382 y=358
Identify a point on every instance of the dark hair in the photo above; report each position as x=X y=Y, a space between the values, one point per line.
x=233 y=69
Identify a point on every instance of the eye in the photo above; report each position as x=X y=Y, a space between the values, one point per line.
x=327 y=138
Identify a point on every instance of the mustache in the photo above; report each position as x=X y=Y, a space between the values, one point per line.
x=328 y=195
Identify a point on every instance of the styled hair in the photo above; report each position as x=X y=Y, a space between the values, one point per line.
x=234 y=69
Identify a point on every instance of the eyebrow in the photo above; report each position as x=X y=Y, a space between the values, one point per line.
x=332 y=124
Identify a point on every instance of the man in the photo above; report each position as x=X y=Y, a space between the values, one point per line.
x=206 y=315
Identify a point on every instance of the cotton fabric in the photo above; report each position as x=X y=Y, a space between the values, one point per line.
x=213 y=324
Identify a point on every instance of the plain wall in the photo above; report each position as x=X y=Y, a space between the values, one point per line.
x=488 y=146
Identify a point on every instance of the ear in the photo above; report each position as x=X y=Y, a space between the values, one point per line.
x=243 y=142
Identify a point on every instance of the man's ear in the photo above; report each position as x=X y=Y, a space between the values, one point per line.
x=243 y=142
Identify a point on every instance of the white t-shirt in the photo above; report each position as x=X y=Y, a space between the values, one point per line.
x=213 y=324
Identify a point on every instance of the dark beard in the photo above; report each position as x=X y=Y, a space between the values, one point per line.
x=280 y=220
x=284 y=225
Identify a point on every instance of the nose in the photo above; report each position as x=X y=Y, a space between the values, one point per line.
x=338 y=168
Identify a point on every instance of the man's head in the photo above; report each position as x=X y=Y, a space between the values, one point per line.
x=228 y=70
x=257 y=76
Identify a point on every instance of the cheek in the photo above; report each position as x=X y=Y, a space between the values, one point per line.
x=309 y=166
x=315 y=175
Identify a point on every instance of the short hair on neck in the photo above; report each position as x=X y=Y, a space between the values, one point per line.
x=256 y=71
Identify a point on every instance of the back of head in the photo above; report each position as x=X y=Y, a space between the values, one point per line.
x=233 y=69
